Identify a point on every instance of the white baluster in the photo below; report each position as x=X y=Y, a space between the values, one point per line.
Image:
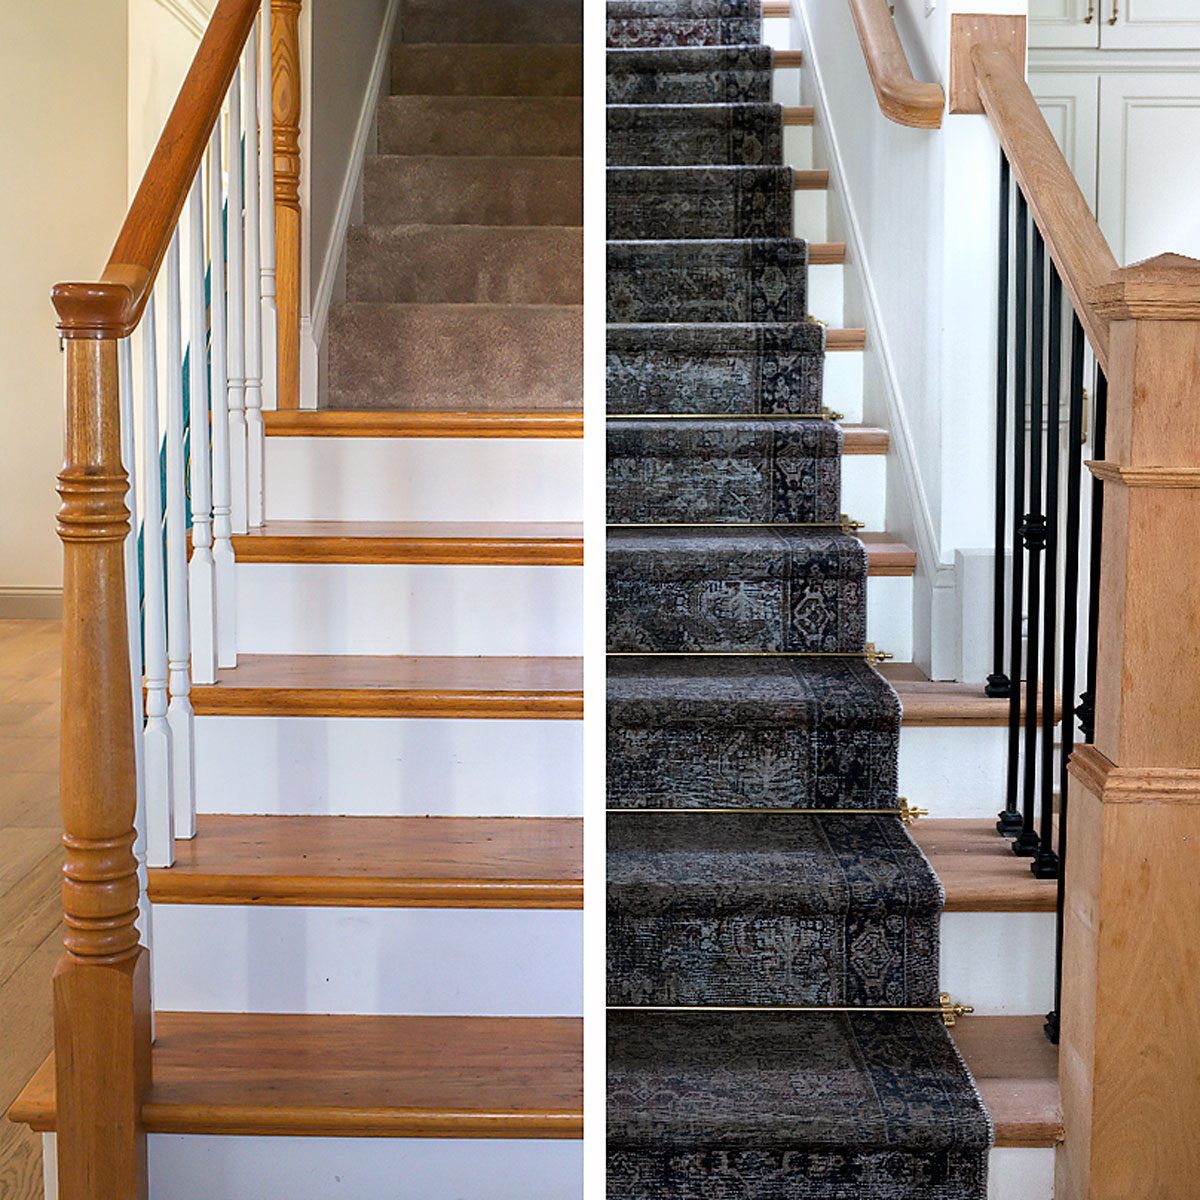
x=179 y=675
x=133 y=607
x=266 y=191
x=223 y=560
x=235 y=298
x=202 y=598
x=254 y=359
x=160 y=820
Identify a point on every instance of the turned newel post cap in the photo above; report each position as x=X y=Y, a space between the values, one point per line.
x=1164 y=288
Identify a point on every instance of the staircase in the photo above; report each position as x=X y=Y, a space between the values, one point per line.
x=367 y=963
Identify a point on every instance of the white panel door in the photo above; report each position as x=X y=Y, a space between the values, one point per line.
x=1065 y=22
x=1149 y=24
x=1070 y=102
x=1149 y=165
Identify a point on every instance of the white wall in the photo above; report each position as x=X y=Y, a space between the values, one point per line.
x=62 y=143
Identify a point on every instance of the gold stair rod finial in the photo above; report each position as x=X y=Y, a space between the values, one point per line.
x=849 y=526
x=910 y=813
x=953 y=1013
x=876 y=656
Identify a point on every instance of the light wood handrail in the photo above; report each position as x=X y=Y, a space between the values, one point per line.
x=112 y=307
x=1079 y=249
x=902 y=97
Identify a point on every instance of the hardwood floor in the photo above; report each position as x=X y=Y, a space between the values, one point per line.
x=30 y=862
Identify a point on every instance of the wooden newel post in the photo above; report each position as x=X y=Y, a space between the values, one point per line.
x=1130 y=1048
x=102 y=983
x=286 y=93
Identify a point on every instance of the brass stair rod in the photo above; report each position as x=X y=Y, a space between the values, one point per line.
x=946 y=1008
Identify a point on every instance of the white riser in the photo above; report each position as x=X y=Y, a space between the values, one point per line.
x=434 y=961
x=266 y=1168
x=843 y=390
x=785 y=86
x=424 y=479
x=889 y=615
x=1002 y=963
x=798 y=147
x=368 y=608
x=259 y=1168
x=826 y=293
x=810 y=211
x=389 y=767
x=954 y=772
x=864 y=488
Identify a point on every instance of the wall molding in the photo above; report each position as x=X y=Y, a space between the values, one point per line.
x=31 y=603
x=193 y=15
x=326 y=273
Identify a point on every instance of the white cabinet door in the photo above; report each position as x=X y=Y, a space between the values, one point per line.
x=1070 y=102
x=1065 y=22
x=1149 y=24
x=1149 y=163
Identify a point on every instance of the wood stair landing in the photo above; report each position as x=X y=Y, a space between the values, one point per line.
x=315 y=685
x=383 y=423
x=467 y=543
x=377 y=862
x=291 y=1075
x=979 y=870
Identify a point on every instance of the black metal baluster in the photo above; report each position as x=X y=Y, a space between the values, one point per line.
x=1086 y=711
x=1020 y=374
x=1072 y=535
x=1033 y=535
x=997 y=682
x=1045 y=862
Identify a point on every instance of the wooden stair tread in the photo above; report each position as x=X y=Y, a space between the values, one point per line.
x=492 y=543
x=810 y=181
x=933 y=702
x=782 y=60
x=1017 y=1072
x=394 y=686
x=979 y=870
x=826 y=254
x=887 y=555
x=353 y=1076
x=373 y=862
x=387 y=424
x=845 y=339
x=864 y=439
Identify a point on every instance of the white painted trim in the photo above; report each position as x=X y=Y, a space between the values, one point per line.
x=326 y=276
x=940 y=575
x=193 y=15
x=31 y=603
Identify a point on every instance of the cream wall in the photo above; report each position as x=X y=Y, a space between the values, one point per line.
x=62 y=196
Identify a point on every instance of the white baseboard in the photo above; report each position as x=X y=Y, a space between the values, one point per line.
x=30 y=603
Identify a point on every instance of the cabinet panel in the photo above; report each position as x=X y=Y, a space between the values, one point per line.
x=1065 y=23
x=1149 y=163
x=1149 y=24
x=1070 y=102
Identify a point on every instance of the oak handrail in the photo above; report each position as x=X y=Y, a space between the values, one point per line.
x=113 y=306
x=1080 y=250
x=902 y=97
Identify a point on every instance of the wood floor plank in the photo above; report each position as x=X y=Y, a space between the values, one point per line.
x=979 y=870
x=20 y=1163
x=443 y=862
x=355 y=1076
x=1017 y=1072
x=375 y=686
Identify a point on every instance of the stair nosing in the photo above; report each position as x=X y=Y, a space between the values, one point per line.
x=423 y=423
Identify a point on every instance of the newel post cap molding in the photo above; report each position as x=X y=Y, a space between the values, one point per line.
x=1163 y=288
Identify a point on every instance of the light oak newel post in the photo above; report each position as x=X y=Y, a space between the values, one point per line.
x=102 y=984
x=286 y=93
x=1130 y=1049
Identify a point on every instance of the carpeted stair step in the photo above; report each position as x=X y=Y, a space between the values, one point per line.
x=641 y=135
x=484 y=190
x=482 y=125
x=808 y=1106
x=556 y=21
x=449 y=69
x=455 y=356
x=690 y=75
x=776 y=732
x=715 y=368
x=465 y=264
x=724 y=470
x=683 y=22
x=700 y=202
x=758 y=908
x=736 y=590
x=700 y=281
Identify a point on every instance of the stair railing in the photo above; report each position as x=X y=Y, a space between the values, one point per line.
x=167 y=374
x=1129 y=774
x=902 y=98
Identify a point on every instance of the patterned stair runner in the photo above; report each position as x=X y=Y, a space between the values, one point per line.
x=739 y=691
